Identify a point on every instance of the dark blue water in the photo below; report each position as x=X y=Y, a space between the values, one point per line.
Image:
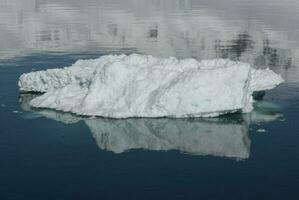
x=51 y=155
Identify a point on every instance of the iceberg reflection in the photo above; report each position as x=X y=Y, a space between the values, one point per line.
x=224 y=136
x=197 y=137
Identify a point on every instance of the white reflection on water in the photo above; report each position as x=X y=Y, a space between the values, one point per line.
x=263 y=33
x=224 y=137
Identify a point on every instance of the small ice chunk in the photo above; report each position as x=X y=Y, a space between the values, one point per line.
x=261 y=130
x=16 y=111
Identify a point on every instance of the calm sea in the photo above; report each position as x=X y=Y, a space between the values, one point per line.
x=51 y=155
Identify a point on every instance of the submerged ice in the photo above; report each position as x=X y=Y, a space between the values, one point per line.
x=120 y=86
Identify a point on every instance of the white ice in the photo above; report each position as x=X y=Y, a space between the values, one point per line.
x=120 y=86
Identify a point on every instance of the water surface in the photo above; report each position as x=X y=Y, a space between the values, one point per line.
x=51 y=155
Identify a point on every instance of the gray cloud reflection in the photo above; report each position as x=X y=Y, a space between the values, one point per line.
x=239 y=30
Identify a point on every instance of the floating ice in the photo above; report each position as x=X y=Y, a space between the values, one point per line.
x=143 y=86
x=261 y=130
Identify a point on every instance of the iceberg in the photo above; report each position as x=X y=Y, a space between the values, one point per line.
x=126 y=86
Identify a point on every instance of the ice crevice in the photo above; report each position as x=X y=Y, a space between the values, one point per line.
x=125 y=86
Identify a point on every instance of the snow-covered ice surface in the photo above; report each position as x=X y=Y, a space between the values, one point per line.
x=120 y=86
